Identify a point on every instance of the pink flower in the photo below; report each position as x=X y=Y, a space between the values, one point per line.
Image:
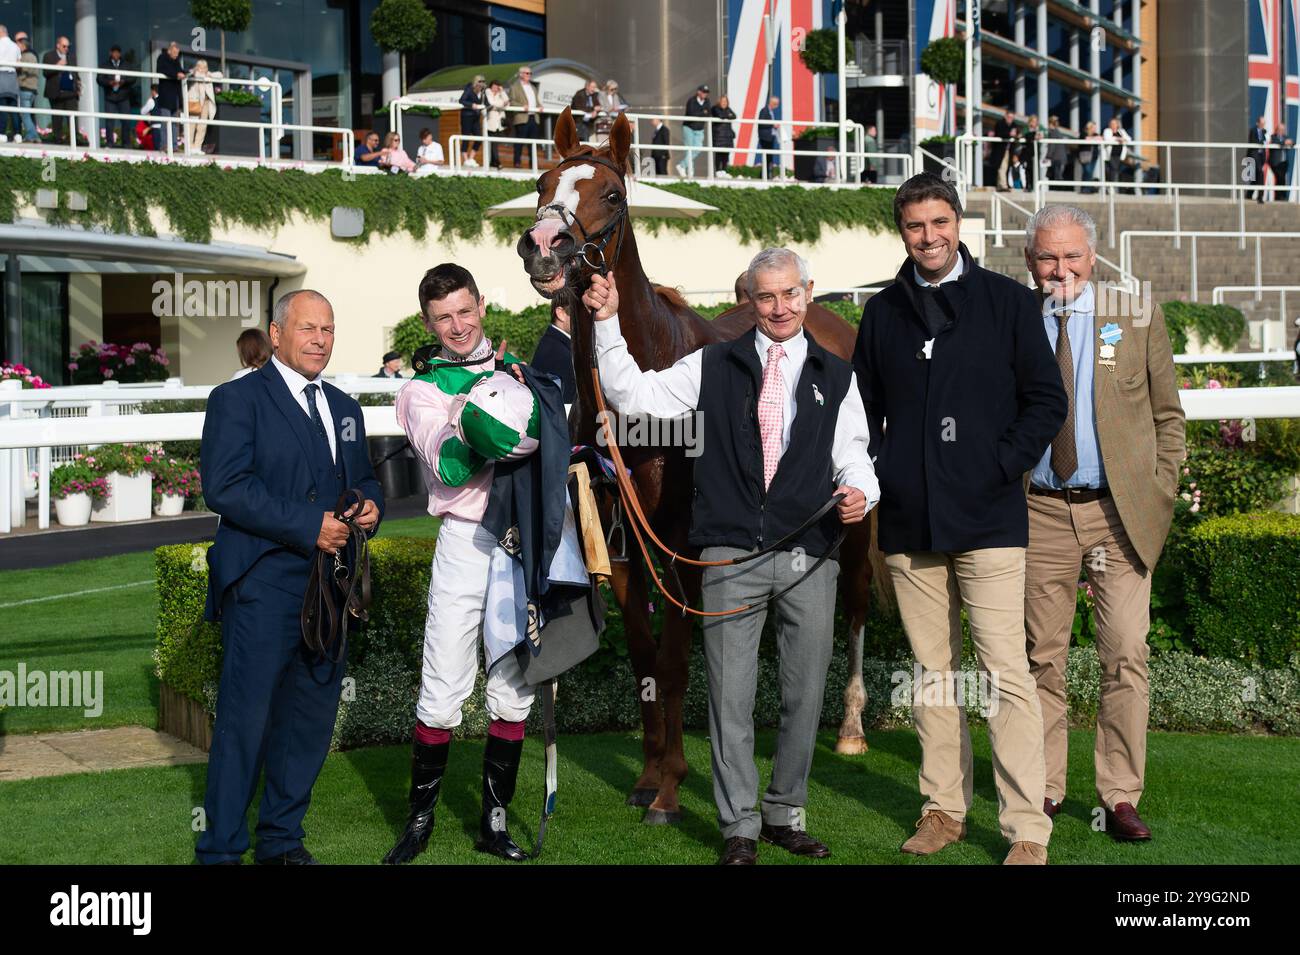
x=72 y=366
x=1187 y=470
x=1195 y=507
x=108 y=372
x=1213 y=383
x=130 y=360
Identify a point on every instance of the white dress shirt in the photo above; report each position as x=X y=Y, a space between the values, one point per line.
x=297 y=387
x=953 y=274
x=676 y=391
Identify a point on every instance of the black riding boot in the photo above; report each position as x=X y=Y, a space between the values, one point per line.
x=428 y=763
x=500 y=767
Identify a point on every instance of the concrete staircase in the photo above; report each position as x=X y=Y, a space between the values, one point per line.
x=1168 y=269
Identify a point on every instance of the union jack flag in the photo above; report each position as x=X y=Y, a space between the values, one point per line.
x=1272 y=71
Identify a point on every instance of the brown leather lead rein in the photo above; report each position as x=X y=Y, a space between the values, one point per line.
x=324 y=617
x=638 y=520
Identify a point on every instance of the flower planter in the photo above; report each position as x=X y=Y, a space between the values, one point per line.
x=73 y=510
x=130 y=498
x=169 y=505
x=235 y=140
x=806 y=154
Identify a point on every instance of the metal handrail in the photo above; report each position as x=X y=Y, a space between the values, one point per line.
x=1126 y=245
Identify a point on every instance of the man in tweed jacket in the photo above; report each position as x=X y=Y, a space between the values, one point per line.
x=1102 y=496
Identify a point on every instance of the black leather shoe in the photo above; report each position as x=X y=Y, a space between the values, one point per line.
x=298 y=856
x=500 y=769
x=428 y=764
x=795 y=841
x=739 y=851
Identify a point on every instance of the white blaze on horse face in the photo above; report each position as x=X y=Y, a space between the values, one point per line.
x=551 y=220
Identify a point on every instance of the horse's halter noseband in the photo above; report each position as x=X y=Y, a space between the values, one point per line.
x=595 y=241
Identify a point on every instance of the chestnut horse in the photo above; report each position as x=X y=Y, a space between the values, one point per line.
x=582 y=225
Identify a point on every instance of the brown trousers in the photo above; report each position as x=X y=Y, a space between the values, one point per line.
x=932 y=588
x=1061 y=537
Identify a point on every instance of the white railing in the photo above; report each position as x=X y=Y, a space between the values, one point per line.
x=1126 y=246
x=1218 y=294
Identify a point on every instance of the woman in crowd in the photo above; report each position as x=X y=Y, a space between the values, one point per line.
x=497 y=100
x=724 y=134
x=394 y=158
x=1088 y=155
x=254 y=347
x=201 y=105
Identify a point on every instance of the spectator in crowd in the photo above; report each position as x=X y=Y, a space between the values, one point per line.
x=826 y=168
x=585 y=106
x=497 y=99
x=769 y=136
x=1088 y=155
x=742 y=287
x=29 y=80
x=168 y=100
x=368 y=151
x=1255 y=171
x=254 y=348
x=659 y=138
x=611 y=104
x=472 y=105
x=1016 y=178
x=996 y=170
x=693 y=130
x=1028 y=155
x=870 y=144
x=1058 y=156
x=148 y=134
x=429 y=156
x=61 y=87
x=1115 y=141
x=527 y=106
x=393 y=157
x=724 y=134
x=10 y=56
x=392 y=366
x=1279 y=160
x=201 y=106
x=117 y=98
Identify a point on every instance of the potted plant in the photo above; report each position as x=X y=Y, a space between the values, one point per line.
x=414 y=118
x=809 y=146
x=96 y=362
x=401 y=27
x=175 y=481
x=944 y=61
x=243 y=107
x=945 y=147
x=125 y=469
x=15 y=371
x=223 y=15
x=820 y=51
x=76 y=487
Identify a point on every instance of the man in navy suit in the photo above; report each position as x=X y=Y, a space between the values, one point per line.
x=279 y=447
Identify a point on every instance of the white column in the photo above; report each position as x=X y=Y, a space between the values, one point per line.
x=391 y=82
x=85 y=48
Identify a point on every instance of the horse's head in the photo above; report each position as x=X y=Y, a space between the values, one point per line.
x=581 y=210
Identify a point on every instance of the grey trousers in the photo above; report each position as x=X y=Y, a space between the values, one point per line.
x=805 y=620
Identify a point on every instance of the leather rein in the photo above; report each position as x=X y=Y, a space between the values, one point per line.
x=626 y=488
x=336 y=591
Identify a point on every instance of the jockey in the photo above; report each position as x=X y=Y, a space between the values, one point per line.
x=458 y=472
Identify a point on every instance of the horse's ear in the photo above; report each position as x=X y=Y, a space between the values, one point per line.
x=620 y=140
x=566 y=133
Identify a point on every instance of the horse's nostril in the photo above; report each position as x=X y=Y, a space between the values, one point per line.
x=562 y=243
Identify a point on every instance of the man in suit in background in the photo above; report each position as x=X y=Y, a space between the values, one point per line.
x=117 y=98
x=61 y=88
x=392 y=366
x=585 y=106
x=1279 y=160
x=660 y=138
x=1101 y=495
x=279 y=447
x=168 y=102
x=526 y=110
x=769 y=137
x=1258 y=138
x=554 y=355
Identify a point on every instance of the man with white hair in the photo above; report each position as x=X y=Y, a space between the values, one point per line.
x=1102 y=495
x=757 y=481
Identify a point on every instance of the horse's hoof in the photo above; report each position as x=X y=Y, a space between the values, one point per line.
x=642 y=797
x=659 y=817
x=851 y=745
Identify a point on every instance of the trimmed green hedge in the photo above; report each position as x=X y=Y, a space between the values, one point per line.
x=1221 y=324
x=1243 y=587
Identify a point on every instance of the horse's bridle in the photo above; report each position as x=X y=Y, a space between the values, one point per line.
x=596 y=241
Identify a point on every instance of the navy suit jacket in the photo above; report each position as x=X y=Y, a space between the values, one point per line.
x=256 y=467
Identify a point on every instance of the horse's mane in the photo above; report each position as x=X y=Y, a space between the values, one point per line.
x=670 y=295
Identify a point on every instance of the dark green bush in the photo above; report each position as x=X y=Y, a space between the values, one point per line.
x=1214 y=324
x=944 y=60
x=821 y=53
x=1243 y=587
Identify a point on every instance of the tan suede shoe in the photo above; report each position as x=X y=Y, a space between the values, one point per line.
x=934 y=830
x=1026 y=853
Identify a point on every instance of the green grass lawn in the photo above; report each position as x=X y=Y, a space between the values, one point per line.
x=1211 y=799
x=109 y=630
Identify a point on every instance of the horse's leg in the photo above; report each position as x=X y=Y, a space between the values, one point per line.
x=855 y=596
x=673 y=670
x=642 y=651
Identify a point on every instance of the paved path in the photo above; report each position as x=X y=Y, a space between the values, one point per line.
x=28 y=756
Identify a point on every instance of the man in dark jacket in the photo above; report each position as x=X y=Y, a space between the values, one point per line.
x=585 y=106
x=117 y=98
x=61 y=88
x=660 y=138
x=693 y=131
x=168 y=101
x=769 y=136
x=1258 y=138
x=954 y=359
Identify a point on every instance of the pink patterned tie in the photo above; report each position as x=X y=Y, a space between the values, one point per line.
x=771 y=412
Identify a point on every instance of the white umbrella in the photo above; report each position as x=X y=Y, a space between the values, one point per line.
x=642 y=200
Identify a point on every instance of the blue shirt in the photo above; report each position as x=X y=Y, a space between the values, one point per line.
x=1091 y=473
x=360 y=151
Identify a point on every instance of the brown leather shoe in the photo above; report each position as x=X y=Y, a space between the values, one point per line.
x=934 y=830
x=1051 y=807
x=795 y=841
x=739 y=851
x=1026 y=853
x=1125 y=825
